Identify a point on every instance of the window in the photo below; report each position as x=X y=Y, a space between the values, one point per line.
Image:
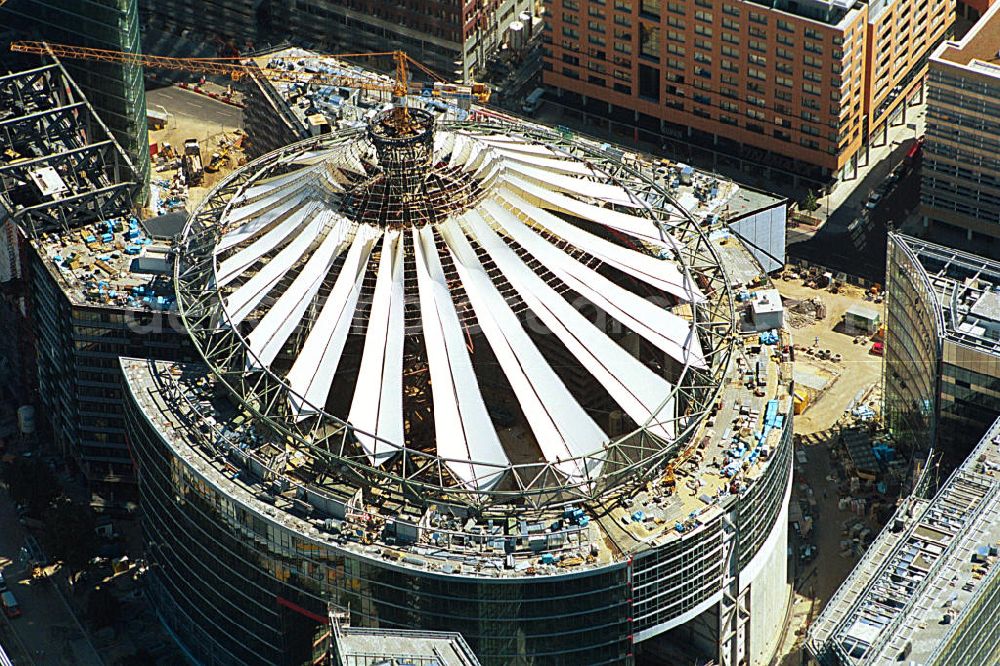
x=650 y=8
x=701 y=57
x=703 y=16
x=757 y=73
x=703 y=44
x=783 y=81
x=675 y=7
x=731 y=10
x=730 y=51
x=703 y=72
x=814 y=34
x=649 y=41
x=785 y=25
x=787 y=41
x=649 y=82
x=810 y=88
x=731 y=38
x=675 y=22
x=676 y=50
x=703 y=30
x=675 y=36
x=758 y=18
x=730 y=24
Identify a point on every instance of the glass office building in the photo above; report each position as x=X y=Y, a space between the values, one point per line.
x=927 y=591
x=942 y=359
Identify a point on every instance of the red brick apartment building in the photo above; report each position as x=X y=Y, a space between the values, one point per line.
x=801 y=87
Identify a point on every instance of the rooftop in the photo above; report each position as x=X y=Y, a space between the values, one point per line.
x=112 y=263
x=318 y=108
x=966 y=288
x=355 y=646
x=979 y=49
x=222 y=444
x=931 y=563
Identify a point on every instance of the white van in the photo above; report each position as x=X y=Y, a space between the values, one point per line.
x=533 y=101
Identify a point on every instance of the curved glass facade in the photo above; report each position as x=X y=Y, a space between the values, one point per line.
x=912 y=349
x=239 y=585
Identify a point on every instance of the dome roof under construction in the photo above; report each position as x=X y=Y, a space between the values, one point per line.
x=471 y=308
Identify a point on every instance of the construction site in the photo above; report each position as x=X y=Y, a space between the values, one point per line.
x=925 y=590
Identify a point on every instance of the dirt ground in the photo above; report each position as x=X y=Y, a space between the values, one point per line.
x=816 y=430
x=183 y=124
x=858 y=369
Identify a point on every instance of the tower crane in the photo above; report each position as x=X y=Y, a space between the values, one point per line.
x=235 y=68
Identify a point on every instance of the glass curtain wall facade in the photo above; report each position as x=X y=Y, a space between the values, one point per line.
x=237 y=587
x=117 y=92
x=912 y=350
x=942 y=389
x=79 y=377
x=237 y=584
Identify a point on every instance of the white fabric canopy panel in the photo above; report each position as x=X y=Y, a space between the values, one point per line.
x=638 y=390
x=588 y=188
x=518 y=146
x=265 y=212
x=572 y=167
x=266 y=185
x=562 y=428
x=377 y=408
x=248 y=296
x=464 y=430
x=311 y=376
x=282 y=318
x=667 y=331
x=636 y=226
x=232 y=267
x=660 y=273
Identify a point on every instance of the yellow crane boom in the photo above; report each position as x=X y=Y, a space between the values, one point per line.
x=235 y=68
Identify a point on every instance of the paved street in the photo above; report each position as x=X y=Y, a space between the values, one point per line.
x=46 y=634
x=189 y=104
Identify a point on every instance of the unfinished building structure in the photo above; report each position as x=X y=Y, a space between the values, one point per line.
x=927 y=591
x=116 y=90
x=81 y=272
x=468 y=376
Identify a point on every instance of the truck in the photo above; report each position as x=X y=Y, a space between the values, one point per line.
x=191 y=162
x=533 y=101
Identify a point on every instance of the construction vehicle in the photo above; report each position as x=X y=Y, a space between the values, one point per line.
x=217 y=161
x=191 y=162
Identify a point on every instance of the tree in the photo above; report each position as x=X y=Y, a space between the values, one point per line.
x=69 y=532
x=811 y=203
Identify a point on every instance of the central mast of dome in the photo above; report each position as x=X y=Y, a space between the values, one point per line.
x=404 y=142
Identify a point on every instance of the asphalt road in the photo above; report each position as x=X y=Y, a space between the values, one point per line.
x=189 y=104
x=834 y=247
x=46 y=631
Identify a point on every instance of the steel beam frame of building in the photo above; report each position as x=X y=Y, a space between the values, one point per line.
x=50 y=117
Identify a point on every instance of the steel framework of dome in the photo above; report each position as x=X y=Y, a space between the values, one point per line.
x=473 y=313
